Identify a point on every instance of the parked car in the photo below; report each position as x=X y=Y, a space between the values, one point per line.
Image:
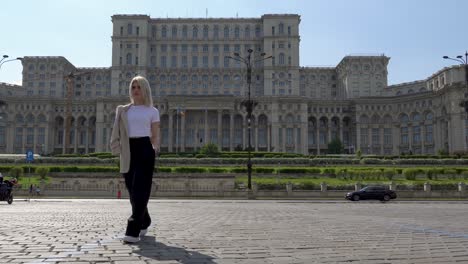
x=372 y=193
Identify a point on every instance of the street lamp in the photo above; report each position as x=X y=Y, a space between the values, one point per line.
x=249 y=104
x=1 y=63
x=463 y=61
x=4 y=57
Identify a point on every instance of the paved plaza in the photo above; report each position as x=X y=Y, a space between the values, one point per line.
x=236 y=231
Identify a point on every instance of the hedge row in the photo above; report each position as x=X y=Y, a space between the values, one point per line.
x=241 y=161
x=333 y=172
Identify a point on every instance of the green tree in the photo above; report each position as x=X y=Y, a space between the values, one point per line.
x=42 y=171
x=210 y=149
x=359 y=154
x=16 y=172
x=335 y=146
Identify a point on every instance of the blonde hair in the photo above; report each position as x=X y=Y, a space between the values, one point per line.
x=145 y=90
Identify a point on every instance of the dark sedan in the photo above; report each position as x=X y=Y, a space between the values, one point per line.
x=372 y=193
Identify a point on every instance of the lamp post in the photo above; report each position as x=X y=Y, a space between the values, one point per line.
x=4 y=57
x=3 y=62
x=463 y=61
x=249 y=104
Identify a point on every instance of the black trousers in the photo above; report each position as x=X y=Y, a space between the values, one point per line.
x=138 y=181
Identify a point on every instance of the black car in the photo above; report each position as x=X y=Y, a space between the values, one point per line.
x=372 y=193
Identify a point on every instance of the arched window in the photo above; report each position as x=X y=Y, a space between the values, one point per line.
x=164 y=32
x=226 y=32
x=195 y=32
x=129 y=58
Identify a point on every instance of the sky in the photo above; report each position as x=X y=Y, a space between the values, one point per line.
x=415 y=34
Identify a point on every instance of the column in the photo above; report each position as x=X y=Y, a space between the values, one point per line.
x=317 y=136
x=410 y=138
x=256 y=133
x=244 y=132
x=304 y=137
x=86 y=140
x=436 y=133
x=231 y=131
x=10 y=136
x=381 y=130
x=205 y=140
x=220 y=126
x=283 y=135
x=268 y=137
x=341 y=130
x=423 y=138
x=182 y=129
x=358 y=138
x=171 y=131
x=25 y=133
x=46 y=140
x=75 y=147
x=396 y=139
x=34 y=140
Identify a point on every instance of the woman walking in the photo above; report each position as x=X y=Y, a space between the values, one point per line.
x=135 y=136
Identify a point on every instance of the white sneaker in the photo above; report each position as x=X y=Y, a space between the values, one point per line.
x=130 y=239
x=143 y=232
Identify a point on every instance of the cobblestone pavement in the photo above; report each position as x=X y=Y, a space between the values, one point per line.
x=236 y=231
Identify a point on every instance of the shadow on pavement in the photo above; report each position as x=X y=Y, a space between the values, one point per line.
x=148 y=247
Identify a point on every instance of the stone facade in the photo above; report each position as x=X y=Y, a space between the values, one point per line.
x=199 y=93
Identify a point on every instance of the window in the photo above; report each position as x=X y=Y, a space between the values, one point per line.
x=404 y=135
x=205 y=48
x=416 y=135
x=226 y=32
x=164 y=32
x=375 y=136
x=236 y=32
x=289 y=30
x=281 y=59
x=289 y=136
x=257 y=31
x=138 y=31
x=205 y=32
x=174 y=31
x=364 y=141
x=29 y=136
x=194 y=61
x=226 y=62
x=184 y=62
x=388 y=136
x=281 y=29
x=429 y=133
x=195 y=32
x=226 y=47
x=205 y=61
x=163 y=62
x=129 y=29
x=216 y=32
x=174 y=62
x=216 y=61
x=194 y=48
x=273 y=31
x=129 y=59
x=247 y=32
x=184 y=31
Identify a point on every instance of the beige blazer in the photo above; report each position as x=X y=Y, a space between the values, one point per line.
x=119 y=142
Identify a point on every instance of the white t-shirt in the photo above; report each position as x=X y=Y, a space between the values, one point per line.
x=140 y=118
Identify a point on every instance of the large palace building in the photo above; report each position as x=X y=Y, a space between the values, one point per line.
x=199 y=93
